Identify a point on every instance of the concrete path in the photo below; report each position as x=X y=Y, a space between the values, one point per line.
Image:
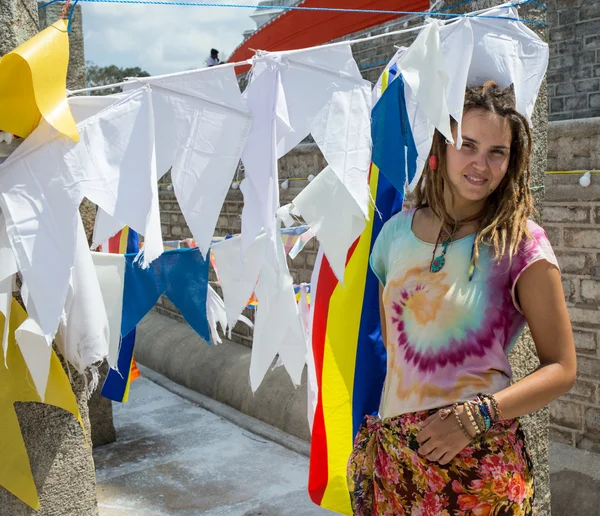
x=174 y=457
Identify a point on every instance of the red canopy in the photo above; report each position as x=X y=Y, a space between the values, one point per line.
x=302 y=29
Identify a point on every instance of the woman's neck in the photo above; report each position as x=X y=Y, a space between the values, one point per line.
x=462 y=209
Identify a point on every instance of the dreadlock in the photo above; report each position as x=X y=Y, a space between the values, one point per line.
x=504 y=219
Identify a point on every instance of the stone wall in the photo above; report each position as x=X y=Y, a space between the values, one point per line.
x=574 y=70
x=572 y=220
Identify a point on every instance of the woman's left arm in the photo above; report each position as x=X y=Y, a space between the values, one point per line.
x=542 y=300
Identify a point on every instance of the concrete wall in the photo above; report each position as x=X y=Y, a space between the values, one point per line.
x=49 y=15
x=18 y=22
x=574 y=70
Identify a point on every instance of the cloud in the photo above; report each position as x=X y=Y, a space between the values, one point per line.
x=159 y=38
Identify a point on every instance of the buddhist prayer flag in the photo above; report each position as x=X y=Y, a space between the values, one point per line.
x=116 y=385
x=349 y=356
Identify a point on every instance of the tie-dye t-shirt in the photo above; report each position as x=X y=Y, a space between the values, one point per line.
x=447 y=337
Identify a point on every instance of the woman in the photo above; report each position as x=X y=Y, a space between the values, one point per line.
x=460 y=276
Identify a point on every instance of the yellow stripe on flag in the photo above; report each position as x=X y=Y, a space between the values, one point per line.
x=339 y=363
x=123 y=240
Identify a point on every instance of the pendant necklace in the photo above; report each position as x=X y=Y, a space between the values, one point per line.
x=438 y=262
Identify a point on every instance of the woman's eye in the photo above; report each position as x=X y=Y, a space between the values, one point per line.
x=498 y=152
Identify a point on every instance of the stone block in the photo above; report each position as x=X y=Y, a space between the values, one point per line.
x=585 y=341
x=590 y=292
x=595 y=100
x=592 y=422
x=570 y=289
x=555 y=235
x=560 y=117
x=573 y=192
x=562 y=34
x=579 y=101
x=582 y=238
x=565 y=88
x=574 y=263
x=567 y=16
x=585 y=28
x=176 y=231
x=562 y=436
x=582 y=391
x=581 y=72
x=557 y=76
x=591 y=42
x=588 y=367
x=585 y=58
x=591 y=444
x=568 y=414
x=571 y=214
x=584 y=315
x=557 y=105
x=588 y=11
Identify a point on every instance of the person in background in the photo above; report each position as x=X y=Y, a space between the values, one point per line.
x=213 y=60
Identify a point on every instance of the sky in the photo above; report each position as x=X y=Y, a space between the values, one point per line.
x=161 y=39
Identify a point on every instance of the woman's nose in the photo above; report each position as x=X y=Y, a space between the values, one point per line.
x=480 y=161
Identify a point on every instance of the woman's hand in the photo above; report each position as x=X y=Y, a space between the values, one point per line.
x=441 y=438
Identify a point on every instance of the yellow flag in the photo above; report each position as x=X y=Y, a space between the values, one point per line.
x=16 y=384
x=33 y=84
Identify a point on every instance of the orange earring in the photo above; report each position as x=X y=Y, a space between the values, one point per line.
x=433 y=162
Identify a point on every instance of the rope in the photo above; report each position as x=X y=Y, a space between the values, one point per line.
x=71 y=15
x=308 y=9
x=64 y=11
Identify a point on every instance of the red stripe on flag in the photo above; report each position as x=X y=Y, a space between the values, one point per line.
x=318 y=472
x=114 y=243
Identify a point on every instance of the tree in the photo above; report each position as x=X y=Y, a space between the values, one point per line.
x=102 y=75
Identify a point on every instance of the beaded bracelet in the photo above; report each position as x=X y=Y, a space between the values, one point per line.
x=460 y=423
x=478 y=411
x=467 y=407
x=495 y=406
x=485 y=412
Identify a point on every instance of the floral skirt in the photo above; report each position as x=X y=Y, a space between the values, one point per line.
x=386 y=475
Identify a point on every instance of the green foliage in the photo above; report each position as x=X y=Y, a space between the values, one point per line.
x=99 y=76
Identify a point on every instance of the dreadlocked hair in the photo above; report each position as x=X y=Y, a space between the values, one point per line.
x=504 y=219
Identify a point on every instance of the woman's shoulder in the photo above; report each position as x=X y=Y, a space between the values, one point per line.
x=534 y=246
x=535 y=236
x=399 y=222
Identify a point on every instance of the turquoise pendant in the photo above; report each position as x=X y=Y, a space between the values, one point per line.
x=438 y=264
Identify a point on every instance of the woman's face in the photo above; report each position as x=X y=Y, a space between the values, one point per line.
x=477 y=169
